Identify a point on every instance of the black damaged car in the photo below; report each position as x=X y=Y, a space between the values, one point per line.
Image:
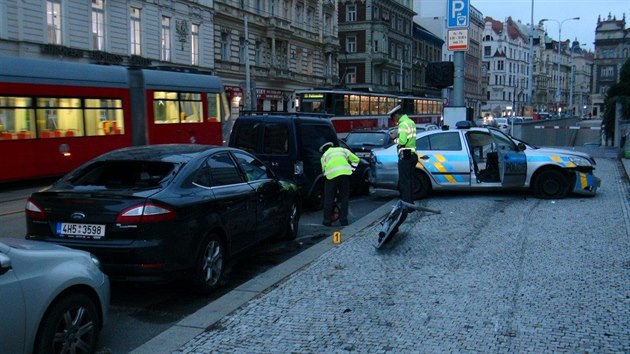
x=166 y=211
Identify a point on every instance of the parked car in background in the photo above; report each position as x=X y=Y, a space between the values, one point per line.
x=486 y=158
x=54 y=299
x=421 y=127
x=166 y=211
x=503 y=124
x=361 y=142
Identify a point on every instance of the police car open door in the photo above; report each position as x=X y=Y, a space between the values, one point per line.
x=512 y=160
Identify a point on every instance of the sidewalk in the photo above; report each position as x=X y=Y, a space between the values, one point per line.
x=440 y=287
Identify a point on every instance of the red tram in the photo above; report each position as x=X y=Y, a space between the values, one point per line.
x=56 y=115
x=362 y=110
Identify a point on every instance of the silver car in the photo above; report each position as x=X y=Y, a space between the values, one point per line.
x=54 y=299
x=486 y=158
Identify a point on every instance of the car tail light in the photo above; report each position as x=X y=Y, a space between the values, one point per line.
x=144 y=213
x=34 y=211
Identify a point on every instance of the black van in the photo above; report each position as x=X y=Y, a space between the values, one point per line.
x=289 y=143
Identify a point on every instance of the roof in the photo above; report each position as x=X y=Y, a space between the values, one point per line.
x=160 y=152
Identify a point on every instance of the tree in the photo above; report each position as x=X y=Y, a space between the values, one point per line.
x=618 y=93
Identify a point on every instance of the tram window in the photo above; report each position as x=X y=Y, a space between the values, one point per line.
x=17 y=120
x=103 y=117
x=56 y=117
x=352 y=105
x=173 y=107
x=214 y=107
x=191 y=109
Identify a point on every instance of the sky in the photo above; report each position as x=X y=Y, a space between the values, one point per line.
x=582 y=29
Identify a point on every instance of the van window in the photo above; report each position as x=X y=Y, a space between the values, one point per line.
x=246 y=136
x=276 y=139
x=315 y=135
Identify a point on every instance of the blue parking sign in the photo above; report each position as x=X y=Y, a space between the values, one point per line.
x=458 y=13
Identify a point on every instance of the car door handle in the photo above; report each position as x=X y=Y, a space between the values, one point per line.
x=424 y=157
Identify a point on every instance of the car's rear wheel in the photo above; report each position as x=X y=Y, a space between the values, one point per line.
x=70 y=325
x=291 y=229
x=551 y=184
x=210 y=265
x=421 y=185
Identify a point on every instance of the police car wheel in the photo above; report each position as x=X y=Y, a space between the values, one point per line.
x=551 y=184
x=421 y=185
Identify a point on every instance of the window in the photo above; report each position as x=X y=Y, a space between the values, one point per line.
x=53 y=20
x=225 y=46
x=440 y=141
x=299 y=20
x=98 y=25
x=309 y=18
x=500 y=65
x=259 y=53
x=246 y=136
x=276 y=139
x=165 y=53
x=351 y=75
x=351 y=13
x=214 y=107
x=253 y=168
x=608 y=72
x=223 y=171
x=177 y=107
x=135 y=31
x=17 y=120
x=194 y=44
x=103 y=117
x=487 y=51
x=351 y=44
x=60 y=117
x=166 y=38
x=242 y=50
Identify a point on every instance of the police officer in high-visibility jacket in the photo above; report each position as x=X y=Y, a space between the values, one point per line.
x=407 y=158
x=337 y=165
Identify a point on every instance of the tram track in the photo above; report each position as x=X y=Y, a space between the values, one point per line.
x=7 y=213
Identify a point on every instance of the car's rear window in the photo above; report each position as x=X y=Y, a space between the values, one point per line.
x=376 y=139
x=315 y=135
x=123 y=174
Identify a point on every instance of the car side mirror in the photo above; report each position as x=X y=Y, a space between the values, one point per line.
x=521 y=147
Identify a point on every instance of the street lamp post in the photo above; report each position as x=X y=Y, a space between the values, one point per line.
x=558 y=94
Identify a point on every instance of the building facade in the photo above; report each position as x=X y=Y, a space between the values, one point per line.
x=376 y=38
x=612 y=50
x=427 y=48
x=288 y=45
x=506 y=52
x=139 y=33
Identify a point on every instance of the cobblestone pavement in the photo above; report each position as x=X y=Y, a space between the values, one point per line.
x=504 y=273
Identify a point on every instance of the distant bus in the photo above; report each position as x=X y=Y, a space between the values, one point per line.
x=350 y=110
x=56 y=115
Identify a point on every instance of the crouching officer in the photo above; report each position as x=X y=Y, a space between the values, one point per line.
x=407 y=158
x=337 y=165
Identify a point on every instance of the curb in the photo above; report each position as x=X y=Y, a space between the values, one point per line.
x=196 y=323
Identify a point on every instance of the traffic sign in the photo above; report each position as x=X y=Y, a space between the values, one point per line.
x=458 y=13
x=458 y=39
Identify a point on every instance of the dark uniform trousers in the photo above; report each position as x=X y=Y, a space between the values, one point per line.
x=407 y=161
x=342 y=185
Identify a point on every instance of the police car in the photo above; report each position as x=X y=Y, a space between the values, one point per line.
x=479 y=158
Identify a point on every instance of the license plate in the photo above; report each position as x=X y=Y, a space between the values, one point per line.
x=80 y=230
x=363 y=154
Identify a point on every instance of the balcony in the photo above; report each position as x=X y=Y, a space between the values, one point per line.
x=331 y=43
x=379 y=58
